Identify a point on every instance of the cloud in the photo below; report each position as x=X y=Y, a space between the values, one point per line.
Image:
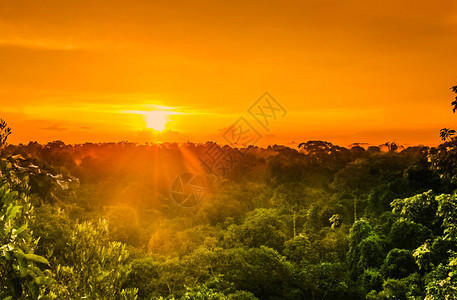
x=55 y=127
x=31 y=44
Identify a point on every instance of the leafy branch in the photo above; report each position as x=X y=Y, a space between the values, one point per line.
x=5 y=131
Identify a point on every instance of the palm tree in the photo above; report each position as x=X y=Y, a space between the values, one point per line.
x=454 y=103
x=447 y=134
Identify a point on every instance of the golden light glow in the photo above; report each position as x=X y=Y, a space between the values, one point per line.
x=156 y=120
x=345 y=71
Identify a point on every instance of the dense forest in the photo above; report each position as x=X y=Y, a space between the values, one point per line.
x=99 y=221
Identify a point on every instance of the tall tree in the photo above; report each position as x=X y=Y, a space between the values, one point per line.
x=454 y=103
x=447 y=133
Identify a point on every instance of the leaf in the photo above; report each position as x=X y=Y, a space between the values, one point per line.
x=21 y=229
x=22 y=264
x=37 y=258
x=12 y=211
x=40 y=280
x=35 y=272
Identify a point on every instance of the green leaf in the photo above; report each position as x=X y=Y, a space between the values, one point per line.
x=21 y=229
x=8 y=255
x=12 y=211
x=22 y=264
x=37 y=258
x=40 y=280
x=35 y=272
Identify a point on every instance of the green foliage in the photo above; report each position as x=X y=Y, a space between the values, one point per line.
x=156 y=277
x=281 y=226
x=362 y=175
x=329 y=245
x=408 y=288
x=295 y=198
x=443 y=160
x=53 y=226
x=441 y=283
x=408 y=235
x=262 y=271
x=335 y=221
x=143 y=275
x=447 y=211
x=241 y=295
x=371 y=251
x=360 y=230
x=202 y=293
x=399 y=263
x=262 y=227
x=326 y=281
x=366 y=248
x=95 y=267
x=441 y=250
x=21 y=271
x=298 y=249
x=435 y=212
x=372 y=279
x=420 y=208
x=423 y=258
x=124 y=225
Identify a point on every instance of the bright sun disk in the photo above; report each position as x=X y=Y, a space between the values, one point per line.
x=156 y=120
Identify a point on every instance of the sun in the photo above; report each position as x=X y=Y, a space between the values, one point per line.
x=156 y=119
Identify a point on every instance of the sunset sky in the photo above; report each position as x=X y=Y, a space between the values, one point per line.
x=345 y=71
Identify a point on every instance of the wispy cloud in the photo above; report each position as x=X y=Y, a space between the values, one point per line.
x=55 y=127
x=42 y=44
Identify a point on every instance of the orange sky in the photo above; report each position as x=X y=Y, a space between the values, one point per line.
x=345 y=71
